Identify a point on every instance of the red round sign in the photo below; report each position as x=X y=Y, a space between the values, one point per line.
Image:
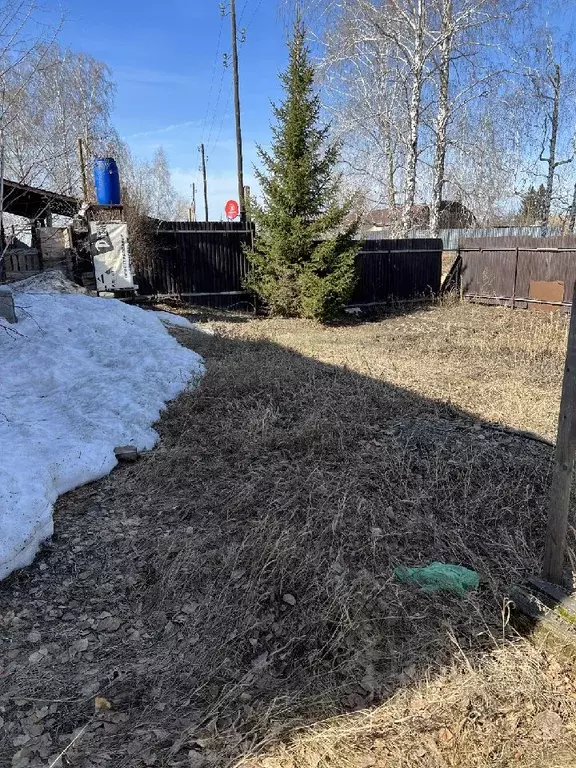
x=232 y=209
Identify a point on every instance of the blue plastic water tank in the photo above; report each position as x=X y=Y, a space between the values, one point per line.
x=106 y=181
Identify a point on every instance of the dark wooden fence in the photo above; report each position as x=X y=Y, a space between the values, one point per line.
x=397 y=270
x=519 y=271
x=204 y=264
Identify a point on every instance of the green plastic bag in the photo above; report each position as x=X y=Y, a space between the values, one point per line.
x=438 y=577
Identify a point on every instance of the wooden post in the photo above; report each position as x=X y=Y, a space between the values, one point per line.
x=515 y=277
x=555 y=548
x=572 y=222
x=193 y=209
x=82 y=161
x=203 y=152
x=247 y=204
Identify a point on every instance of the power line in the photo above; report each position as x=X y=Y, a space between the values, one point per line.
x=242 y=12
x=213 y=78
x=216 y=106
x=256 y=9
x=222 y=121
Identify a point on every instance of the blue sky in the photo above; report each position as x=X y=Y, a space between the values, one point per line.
x=172 y=88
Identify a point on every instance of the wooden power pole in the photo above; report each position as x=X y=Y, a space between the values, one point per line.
x=203 y=151
x=556 y=536
x=241 y=199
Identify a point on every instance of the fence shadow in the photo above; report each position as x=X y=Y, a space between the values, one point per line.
x=241 y=577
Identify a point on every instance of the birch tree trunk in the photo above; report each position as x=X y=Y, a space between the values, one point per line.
x=442 y=118
x=390 y=172
x=414 y=118
x=556 y=82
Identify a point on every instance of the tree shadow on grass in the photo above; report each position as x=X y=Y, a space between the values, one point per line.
x=239 y=580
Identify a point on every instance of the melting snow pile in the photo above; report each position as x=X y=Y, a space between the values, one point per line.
x=51 y=281
x=178 y=320
x=80 y=376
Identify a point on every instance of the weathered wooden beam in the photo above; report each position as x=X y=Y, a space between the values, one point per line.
x=559 y=504
x=547 y=615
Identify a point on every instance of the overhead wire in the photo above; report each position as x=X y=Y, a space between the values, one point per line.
x=210 y=93
x=216 y=106
x=212 y=79
x=256 y=9
x=224 y=115
x=242 y=12
x=229 y=99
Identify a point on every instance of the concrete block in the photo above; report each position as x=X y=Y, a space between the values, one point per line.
x=126 y=453
x=7 y=310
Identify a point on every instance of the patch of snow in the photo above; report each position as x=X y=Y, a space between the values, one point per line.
x=178 y=320
x=80 y=376
x=51 y=281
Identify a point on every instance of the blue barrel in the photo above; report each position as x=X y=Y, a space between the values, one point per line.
x=106 y=181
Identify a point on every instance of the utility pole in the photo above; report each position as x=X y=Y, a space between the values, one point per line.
x=241 y=199
x=203 y=151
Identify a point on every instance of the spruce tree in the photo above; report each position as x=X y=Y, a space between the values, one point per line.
x=533 y=205
x=304 y=254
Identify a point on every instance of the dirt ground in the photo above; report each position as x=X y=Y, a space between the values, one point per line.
x=230 y=598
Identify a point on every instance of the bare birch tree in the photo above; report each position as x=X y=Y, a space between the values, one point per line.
x=397 y=35
x=548 y=90
x=364 y=97
x=470 y=51
x=545 y=101
x=21 y=30
x=442 y=120
x=67 y=95
x=403 y=23
x=445 y=64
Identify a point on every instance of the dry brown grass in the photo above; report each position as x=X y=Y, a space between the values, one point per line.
x=515 y=709
x=309 y=463
x=499 y=365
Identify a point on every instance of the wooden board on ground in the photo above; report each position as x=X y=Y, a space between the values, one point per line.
x=547 y=614
x=546 y=291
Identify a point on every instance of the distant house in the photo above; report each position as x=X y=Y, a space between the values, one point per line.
x=453 y=215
